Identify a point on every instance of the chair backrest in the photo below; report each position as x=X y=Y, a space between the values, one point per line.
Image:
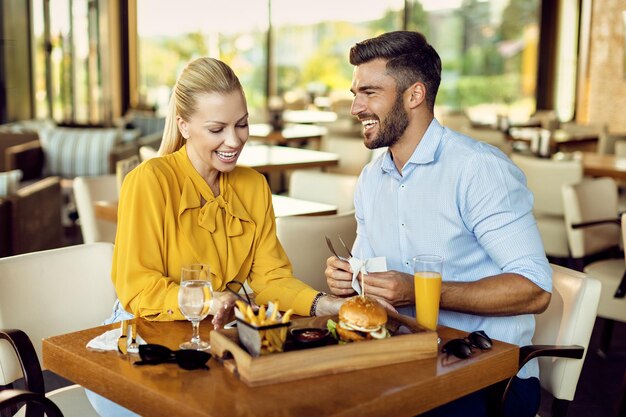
x=353 y=155
x=88 y=190
x=544 y=179
x=323 y=187
x=123 y=167
x=608 y=142
x=568 y=320
x=589 y=200
x=620 y=147
x=147 y=152
x=303 y=238
x=53 y=292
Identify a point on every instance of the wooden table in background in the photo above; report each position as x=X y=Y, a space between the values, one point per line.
x=283 y=206
x=596 y=165
x=309 y=116
x=404 y=389
x=299 y=134
x=561 y=140
x=273 y=161
x=269 y=158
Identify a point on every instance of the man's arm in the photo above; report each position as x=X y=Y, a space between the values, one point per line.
x=504 y=294
x=499 y=295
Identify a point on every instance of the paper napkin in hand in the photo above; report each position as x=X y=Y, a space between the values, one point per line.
x=378 y=264
x=108 y=340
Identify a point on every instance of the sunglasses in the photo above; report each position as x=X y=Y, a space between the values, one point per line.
x=152 y=354
x=462 y=348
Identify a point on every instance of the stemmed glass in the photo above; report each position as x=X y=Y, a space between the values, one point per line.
x=195 y=296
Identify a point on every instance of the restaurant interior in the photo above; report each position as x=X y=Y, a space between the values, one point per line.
x=85 y=86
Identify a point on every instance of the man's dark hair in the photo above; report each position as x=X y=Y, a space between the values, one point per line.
x=410 y=58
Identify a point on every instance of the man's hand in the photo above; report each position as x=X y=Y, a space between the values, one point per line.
x=339 y=277
x=393 y=287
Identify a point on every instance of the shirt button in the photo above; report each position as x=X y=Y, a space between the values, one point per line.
x=402 y=186
x=402 y=224
x=170 y=312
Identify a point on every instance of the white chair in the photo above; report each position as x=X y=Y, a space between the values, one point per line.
x=147 y=152
x=591 y=200
x=49 y=293
x=607 y=142
x=10 y=399
x=544 y=179
x=594 y=233
x=562 y=334
x=353 y=154
x=303 y=238
x=323 y=187
x=88 y=190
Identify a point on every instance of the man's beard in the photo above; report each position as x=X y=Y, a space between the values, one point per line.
x=392 y=128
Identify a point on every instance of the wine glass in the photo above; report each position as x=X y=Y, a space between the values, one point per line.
x=195 y=297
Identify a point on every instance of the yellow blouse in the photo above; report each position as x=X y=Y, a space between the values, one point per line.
x=163 y=226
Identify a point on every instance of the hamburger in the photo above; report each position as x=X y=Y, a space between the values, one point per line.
x=361 y=318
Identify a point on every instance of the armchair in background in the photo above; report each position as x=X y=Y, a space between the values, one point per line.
x=30 y=219
x=594 y=234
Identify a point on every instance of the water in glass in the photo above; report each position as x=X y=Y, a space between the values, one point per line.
x=194 y=300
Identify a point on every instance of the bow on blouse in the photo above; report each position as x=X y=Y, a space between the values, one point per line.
x=209 y=212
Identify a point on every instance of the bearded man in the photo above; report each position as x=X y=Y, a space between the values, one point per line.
x=436 y=191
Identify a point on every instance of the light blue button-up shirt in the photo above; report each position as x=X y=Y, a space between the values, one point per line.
x=463 y=200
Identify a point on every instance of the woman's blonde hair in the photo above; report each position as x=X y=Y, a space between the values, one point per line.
x=201 y=76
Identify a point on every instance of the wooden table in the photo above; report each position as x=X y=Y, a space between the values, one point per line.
x=268 y=158
x=288 y=206
x=283 y=206
x=561 y=140
x=404 y=389
x=299 y=134
x=309 y=116
x=596 y=165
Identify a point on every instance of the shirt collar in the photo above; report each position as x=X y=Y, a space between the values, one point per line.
x=426 y=150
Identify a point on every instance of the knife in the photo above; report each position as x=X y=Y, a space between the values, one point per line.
x=122 y=341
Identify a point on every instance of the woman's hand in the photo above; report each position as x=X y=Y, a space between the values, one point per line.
x=222 y=309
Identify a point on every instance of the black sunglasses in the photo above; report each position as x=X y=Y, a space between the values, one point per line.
x=152 y=354
x=462 y=348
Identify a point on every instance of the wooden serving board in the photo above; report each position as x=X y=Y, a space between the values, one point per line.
x=416 y=343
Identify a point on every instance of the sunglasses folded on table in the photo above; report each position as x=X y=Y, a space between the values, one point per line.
x=463 y=348
x=152 y=354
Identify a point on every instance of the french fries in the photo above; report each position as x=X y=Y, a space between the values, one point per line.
x=273 y=339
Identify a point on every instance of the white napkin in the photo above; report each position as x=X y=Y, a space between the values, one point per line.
x=108 y=340
x=378 y=264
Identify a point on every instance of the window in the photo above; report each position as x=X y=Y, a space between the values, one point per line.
x=488 y=51
x=169 y=36
x=297 y=51
x=311 y=45
x=66 y=61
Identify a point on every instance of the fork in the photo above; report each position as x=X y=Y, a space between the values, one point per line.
x=332 y=249
x=344 y=245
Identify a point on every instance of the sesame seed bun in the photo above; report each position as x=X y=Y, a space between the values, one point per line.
x=361 y=318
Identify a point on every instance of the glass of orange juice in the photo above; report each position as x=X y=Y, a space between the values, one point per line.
x=427 y=279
